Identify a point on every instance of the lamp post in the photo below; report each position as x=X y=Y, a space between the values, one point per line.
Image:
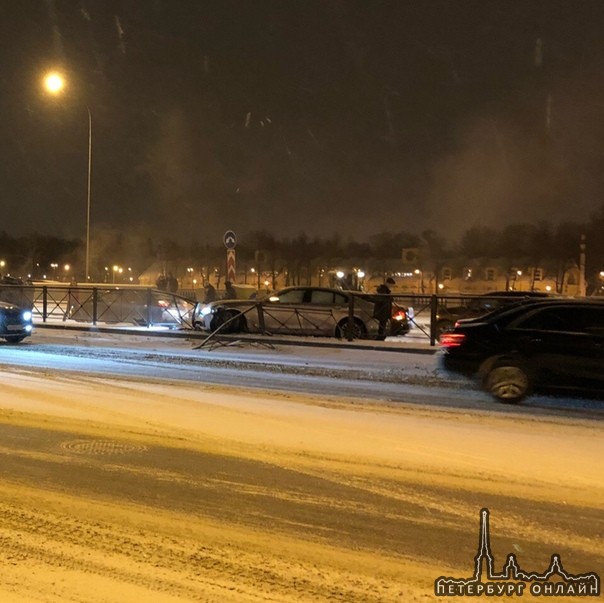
x=54 y=83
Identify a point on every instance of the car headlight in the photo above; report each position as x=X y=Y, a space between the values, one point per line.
x=26 y=315
x=206 y=310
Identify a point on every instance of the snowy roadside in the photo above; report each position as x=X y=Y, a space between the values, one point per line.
x=357 y=372
x=274 y=355
x=416 y=341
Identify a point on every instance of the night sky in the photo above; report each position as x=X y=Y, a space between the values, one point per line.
x=320 y=116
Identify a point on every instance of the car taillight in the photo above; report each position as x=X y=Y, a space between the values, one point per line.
x=399 y=315
x=451 y=340
x=162 y=303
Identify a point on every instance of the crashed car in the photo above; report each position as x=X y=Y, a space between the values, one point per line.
x=316 y=311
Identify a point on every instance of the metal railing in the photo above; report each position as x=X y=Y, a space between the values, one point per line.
x=141 y=306
x=427 y=315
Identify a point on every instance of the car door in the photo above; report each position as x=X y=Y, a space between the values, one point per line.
x=564 y=344
x=282 y=311
x=322 y=312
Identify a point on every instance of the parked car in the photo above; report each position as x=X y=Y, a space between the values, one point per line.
x=478 y=305
x=142 y=307
x=15 y=322
x=548 y=344
x=303 y=311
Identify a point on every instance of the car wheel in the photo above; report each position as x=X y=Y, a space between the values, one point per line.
x=359 y=330
x=235 y=326
x=507 y=382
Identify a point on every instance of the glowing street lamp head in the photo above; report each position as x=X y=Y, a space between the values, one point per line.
x=54 y=82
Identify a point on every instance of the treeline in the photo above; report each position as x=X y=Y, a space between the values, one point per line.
x=34 y=253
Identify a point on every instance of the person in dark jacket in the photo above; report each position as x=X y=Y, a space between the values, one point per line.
x=172 y=283
x=383 y=308
x=161 y=282
x=210 y=294
x=229 y=291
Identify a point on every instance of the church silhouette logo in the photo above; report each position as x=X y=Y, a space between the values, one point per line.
x=555 y=581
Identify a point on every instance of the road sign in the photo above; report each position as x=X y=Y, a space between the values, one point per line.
x=231 y=268
x=230 y=239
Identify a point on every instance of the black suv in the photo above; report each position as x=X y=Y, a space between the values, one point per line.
x=548 y=344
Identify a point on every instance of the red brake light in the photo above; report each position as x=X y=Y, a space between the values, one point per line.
x=452 y=340
x=399 y=315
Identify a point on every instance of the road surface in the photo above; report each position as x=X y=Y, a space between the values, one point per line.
x=127 y=476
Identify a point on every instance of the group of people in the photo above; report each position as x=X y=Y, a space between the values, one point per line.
x=212 y=295
x=167 y=282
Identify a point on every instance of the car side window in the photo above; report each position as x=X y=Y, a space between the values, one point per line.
x=296 y=296
x=340 y=300
x=569 y=319
x=590 y=320
x=324 y=298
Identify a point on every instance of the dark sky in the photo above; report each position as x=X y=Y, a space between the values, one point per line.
x=320 y=116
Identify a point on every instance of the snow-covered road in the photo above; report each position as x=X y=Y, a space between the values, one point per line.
x=410 y=372
x=127 y=474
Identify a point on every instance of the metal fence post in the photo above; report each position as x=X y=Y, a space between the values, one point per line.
x=260 y=311
x=433 y=314
x=148 y=312
x=95 y=305
x=350 y=322
x=44 y=303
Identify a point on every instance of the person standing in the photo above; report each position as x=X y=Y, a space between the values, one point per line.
x=172 y=283
x=229 y=291
x=210 y=294
x=383 y=308
x=161 y=282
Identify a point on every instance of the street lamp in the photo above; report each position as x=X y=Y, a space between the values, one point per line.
x=117 y=269
x=54 y=82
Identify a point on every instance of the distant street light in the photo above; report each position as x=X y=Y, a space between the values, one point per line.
x=54 y=83
x=117 y=269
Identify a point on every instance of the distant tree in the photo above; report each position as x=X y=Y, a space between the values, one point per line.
x=387 y=245
x=594 y=233
x=480 y=241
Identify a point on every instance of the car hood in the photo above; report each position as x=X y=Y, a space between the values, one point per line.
x=8 y=306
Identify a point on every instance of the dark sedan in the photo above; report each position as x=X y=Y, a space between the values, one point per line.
x=548 y=344
x=15 y=322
